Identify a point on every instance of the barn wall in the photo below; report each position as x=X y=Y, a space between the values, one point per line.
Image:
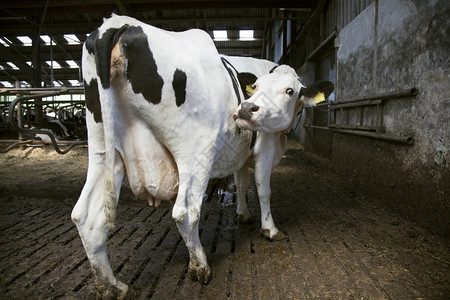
x=390 y=45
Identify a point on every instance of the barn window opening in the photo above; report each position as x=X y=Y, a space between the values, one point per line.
x=72 y=64
x=5 y=42
x=6 y=84
x=56 y=65
x=25 y=40
x=246 y=34
x=46 y=39
x=220 y=35
x=72 y=39
x=74 y=82
x=13 y=66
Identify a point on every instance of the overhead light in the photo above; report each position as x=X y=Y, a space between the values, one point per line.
x=220 y=35
x=6 y=84
x=246 y=34
x=56 y=65
x=12 y=65
x=26 y=41
x=72 y=39
x=24 y=84
x=47 y=40
x=74 y=82
x=72 y=64
x=5 y=42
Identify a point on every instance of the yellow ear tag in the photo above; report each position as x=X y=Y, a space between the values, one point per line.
x=249 y=89
x=319 y=97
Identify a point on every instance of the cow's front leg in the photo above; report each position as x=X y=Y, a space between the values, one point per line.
x=91 y=218
x=186 y=213
x=263 y=168
x=241 y=181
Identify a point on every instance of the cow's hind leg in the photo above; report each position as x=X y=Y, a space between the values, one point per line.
x=241 y=181
x=186 y=213
x=90 y=217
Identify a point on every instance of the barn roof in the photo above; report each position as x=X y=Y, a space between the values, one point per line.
x=62 y=26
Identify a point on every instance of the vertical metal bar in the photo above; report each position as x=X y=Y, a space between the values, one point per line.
x=334 y=116
x=263 y=52
x=349 y=12
x=353 y=9
x=378 y=118
x=19 y=112
x=359 y=115
x=382 y=130
x=51 y=63
x=329 y=115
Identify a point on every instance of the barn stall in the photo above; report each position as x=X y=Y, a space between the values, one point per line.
x=362 y=192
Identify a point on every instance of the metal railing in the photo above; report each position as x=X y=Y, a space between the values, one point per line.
x=375 y=131
x=36 y=95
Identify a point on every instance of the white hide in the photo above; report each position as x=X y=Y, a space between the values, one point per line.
x=169 y=151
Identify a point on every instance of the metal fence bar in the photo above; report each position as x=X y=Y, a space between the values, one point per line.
x=381 y=136
x=22 y=130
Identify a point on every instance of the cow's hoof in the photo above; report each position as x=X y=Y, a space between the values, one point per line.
x=131 y=294
x=246 y=220
x=279 y=236
x=107 y=291
x=203 y=275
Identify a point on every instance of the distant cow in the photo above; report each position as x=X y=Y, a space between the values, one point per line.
x=165 y=109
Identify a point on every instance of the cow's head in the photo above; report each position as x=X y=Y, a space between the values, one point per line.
x=277 y=98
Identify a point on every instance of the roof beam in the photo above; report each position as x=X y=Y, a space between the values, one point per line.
x=87 y=27
x=123 y=9
x=8 y=55
x=34 y=8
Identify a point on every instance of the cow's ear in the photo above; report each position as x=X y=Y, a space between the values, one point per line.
x=319 y=91
x=246 y=80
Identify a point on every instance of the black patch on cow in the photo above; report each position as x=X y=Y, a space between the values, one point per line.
x=93 y=99
x=246 y=79
x=179 y=86
x=103 y=48
x=90 y=42
x=142 y=71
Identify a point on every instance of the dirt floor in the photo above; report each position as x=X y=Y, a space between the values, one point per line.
x=342 y=244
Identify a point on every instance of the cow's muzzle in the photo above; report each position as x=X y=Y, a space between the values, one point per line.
x=246 y=111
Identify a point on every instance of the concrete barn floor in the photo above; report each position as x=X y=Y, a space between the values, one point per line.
x=342 y=244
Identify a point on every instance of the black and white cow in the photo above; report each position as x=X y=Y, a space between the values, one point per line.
x=164 y=109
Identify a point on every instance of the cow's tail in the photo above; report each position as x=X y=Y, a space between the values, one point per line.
x=104 y=47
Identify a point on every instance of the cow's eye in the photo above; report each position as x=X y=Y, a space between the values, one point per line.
x=290 y=92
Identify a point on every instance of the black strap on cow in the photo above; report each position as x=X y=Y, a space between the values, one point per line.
x=236 y=86
x=228 y=67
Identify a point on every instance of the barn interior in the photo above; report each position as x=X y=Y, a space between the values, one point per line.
x=384 y=131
